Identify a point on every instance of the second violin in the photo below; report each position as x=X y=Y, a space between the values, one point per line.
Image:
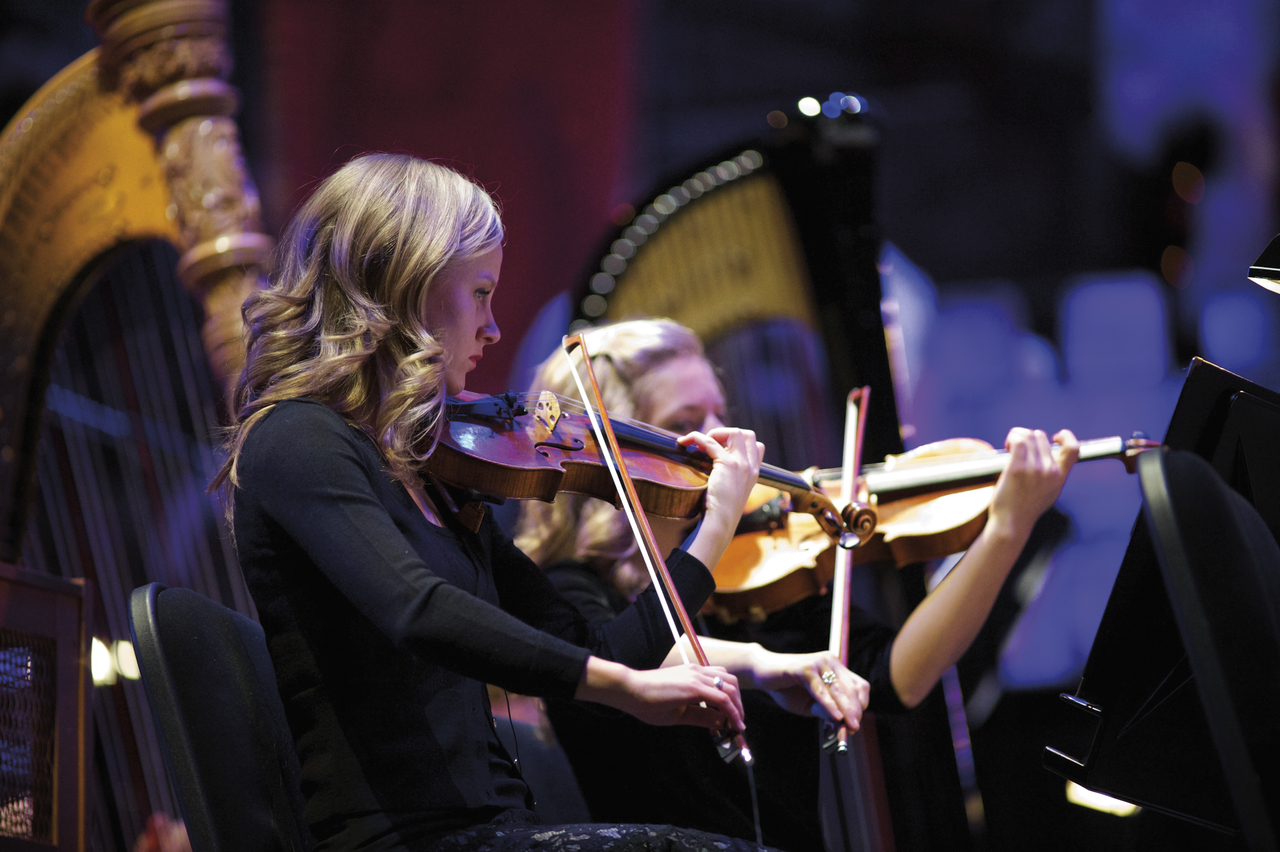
x=928 y=503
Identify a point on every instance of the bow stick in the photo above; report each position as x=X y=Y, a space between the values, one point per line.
x=657 y=566
x=847 y=805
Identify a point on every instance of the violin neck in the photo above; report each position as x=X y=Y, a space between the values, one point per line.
x=783 y=480
x=661 y=442
x=887 y=483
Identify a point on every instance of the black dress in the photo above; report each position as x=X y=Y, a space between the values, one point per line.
x=384 y=629
x=631 y=772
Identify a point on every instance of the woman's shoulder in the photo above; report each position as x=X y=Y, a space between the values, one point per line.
x=303 y=427
x=288 y=417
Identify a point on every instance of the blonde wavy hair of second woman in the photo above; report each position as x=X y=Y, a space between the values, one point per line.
x=341 y=322
x=583 y=528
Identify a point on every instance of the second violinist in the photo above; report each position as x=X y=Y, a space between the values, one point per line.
x=655 y=371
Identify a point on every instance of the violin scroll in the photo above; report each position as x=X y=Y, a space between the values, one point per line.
x=860 y=520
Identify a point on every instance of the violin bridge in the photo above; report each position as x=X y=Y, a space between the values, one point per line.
x=546 y=414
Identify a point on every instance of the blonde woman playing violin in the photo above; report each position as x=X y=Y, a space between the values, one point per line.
x=385 y=617
x=655 y=371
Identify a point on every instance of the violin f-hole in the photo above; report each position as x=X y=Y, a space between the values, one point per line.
x=575 y=445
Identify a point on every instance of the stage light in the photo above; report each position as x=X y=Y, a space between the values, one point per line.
x=809 y=106
x=127 y=661
x=101 y=664
x=1087 y=798
x=1266 y=269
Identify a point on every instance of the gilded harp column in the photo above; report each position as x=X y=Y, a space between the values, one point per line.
x=134 y=141
x=171 y=58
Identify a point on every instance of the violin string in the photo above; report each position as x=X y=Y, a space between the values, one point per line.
x=607 y=455
x=639 y=430
x=642 y=429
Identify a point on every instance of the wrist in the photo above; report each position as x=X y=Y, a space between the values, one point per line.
x=757 y=661
x=709 y=540
x=1008 y=528
x=602 y=680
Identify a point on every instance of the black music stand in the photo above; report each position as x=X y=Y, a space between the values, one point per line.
x=1174 y=711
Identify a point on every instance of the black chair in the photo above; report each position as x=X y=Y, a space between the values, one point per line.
x=228 y=746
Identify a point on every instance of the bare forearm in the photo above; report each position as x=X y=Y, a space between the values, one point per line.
x=711 y=536
x=739 y=658
x=946 y=622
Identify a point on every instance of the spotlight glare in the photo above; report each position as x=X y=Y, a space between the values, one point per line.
x=809 y=106
x=127 y=661
x=100 y=664
x=1087 y=798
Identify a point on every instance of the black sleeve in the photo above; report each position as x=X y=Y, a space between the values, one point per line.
x=307 y=471
x=639 y=637
x=870 y=644
x=583 y=587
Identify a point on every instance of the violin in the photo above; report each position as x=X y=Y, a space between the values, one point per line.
x=928 y=503
x=532 y=446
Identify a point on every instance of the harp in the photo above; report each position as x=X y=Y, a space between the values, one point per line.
x=769 y=252
x=125 y=212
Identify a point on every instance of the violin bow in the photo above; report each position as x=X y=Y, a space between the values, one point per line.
x=657 y=566
x=851 y=463
x=845 y=770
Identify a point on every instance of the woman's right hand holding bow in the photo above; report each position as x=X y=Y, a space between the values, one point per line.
x=705 y=696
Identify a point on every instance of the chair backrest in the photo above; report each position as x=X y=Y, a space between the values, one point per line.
x=212 y=686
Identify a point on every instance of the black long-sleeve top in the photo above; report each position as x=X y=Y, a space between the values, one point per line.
x=384 y=629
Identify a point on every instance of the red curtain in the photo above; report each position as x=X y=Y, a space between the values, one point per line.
x=534 y=100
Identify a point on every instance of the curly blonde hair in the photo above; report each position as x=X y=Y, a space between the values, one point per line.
x=623 y=356
x=342 y=320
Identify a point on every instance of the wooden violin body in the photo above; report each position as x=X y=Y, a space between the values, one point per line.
x=929 y=503
x=503 y=447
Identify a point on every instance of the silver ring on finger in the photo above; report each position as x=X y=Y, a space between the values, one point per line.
x=718 y=683
x=828 y=677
